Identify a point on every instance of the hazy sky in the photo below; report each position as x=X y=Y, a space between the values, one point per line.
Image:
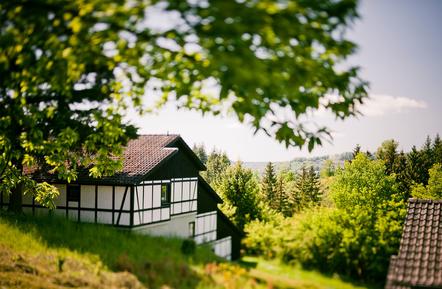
x=400 y=47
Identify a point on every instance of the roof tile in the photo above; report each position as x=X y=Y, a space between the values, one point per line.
x=419 y=260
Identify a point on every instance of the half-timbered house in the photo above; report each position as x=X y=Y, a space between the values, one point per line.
x=158 y=192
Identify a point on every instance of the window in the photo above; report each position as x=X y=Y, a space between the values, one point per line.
x=73 y=193
x=192 y=229
x=165 y=194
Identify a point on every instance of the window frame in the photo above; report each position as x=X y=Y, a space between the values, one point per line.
x=73 y=195
x=192 y=229
x=167 y=200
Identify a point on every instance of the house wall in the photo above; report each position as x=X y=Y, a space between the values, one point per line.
x=223 y=247
x=177 y=226
x=205 y=227
x=225 y=228
x=97 y=203
x=147 y=200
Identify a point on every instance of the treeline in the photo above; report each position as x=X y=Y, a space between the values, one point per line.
x=346 y=219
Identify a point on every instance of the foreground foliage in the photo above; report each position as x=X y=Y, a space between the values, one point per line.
x=355 y=236
x=71 y=70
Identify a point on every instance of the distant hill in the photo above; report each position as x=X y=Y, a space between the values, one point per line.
x=297 y=163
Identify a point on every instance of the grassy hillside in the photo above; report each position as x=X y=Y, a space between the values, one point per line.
x=49 y=252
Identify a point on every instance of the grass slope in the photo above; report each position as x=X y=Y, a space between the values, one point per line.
x=50 y=252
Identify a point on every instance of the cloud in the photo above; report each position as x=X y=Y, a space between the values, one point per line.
x=382 y=104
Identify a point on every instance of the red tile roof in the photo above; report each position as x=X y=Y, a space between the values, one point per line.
x=419 y=262
x=140 y=156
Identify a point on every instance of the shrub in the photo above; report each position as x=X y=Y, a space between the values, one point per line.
x=188 y=247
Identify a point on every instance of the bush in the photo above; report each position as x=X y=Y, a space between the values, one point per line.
x=188 y=247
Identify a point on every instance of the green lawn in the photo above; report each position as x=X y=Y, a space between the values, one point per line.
x=50 y=252
x=285 y=276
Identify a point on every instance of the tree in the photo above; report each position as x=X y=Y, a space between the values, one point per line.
x=306 y=188
x=371 y=211
x=388 y=153
x=356 y=151
x=415 y=170
x=71 y=70
x=239 y=191
x=434 y=188
x=200 y=151
x=400 y=169
x=328 y=169
x=284 y=202
x=217 y=164
x=437 y=149
x=268 y=185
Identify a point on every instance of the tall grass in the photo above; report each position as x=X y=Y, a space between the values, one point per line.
x=156 y=261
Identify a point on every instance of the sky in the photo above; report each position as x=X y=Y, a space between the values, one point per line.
x=400 y=47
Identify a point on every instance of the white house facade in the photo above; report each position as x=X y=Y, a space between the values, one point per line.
x=158 y=192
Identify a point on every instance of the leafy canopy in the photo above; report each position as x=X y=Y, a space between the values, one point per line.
x=70 y=70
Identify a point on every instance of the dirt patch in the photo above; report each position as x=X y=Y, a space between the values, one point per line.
x=52 y=272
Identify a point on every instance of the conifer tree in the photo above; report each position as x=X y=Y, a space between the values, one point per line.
x=307 y=188
x=437 y=149
x=239 y=191
x=400 y=169
x=426 y=160
x=268 y=185
x=284 y=189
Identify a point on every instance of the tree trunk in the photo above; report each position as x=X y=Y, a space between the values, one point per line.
x=16 y=198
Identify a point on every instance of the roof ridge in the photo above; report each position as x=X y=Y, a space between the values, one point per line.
x=428 y=201
x=159 y=134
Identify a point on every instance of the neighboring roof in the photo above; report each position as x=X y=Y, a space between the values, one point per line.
x=419 y=261
x=140 y=157
x=209 y=189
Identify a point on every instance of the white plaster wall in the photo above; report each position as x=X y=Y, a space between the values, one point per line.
x=61 y=200
x=104 y=197
x=205 y=227
x=87 y=197
x=119 y=195
x=177 y=226
x=223 y=247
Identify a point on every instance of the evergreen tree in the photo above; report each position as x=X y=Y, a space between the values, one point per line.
x=426 y=160
x=314 y=191
x=400 y=169
x=200 y=151
x=307 y=188
x=268 y=185
x=284 y=185
x=415 y=170
x=239 y=191
x=437 y=150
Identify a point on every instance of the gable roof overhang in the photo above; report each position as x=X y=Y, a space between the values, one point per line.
x=210 y=190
